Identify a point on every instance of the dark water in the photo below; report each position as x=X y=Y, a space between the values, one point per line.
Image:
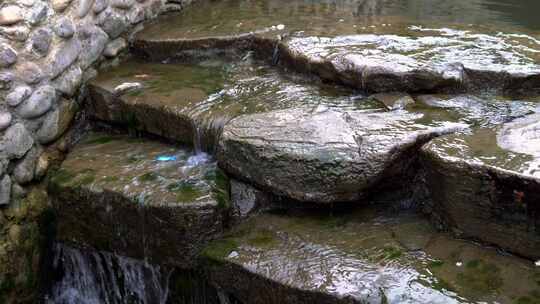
x=343 y=17
x=503 y=14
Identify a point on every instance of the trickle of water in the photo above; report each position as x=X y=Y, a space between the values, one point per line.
x=197 y=159
x=105 y=278
x=275 y=54
x=197 y=144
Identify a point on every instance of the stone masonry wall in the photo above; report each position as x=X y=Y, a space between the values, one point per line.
x=48 y=49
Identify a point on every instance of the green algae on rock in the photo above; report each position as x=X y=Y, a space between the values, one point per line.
x=27 y=228
x=141 y=209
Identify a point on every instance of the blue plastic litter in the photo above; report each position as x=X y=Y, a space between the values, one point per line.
x=166 y=158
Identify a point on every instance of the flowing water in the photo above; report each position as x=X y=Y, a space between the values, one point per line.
x=341 y=17
x=88 y=277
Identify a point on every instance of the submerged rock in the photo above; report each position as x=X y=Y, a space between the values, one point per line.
x=119 y=194
x=323 y=155
x=412 y=63
x=127 y=87
x=393 y=101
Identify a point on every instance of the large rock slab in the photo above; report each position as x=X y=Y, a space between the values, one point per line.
x=191 y=103
x=418 y=60
x=345 y=48
x=485 y=184
x=359 y=256
x=141 y=199
x=160 y=101
x=321 y=154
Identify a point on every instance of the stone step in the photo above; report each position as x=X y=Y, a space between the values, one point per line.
x=191 y=103
x=485 y=184
x=325 y=155
x=360 y=256
x=139 y=198
x=393 y=57
x=418 y=60
x=308 y=142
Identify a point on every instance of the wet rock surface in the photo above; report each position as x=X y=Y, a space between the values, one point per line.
x=323 y=155
x=484 y=184
x=360 y=256
x=140 y=198
x=192 y=102
x=386 y=57
x=420 y=60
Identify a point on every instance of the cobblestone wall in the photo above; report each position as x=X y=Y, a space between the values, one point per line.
x=47 y=49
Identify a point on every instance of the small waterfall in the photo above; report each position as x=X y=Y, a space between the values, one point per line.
x=197 y=138
x=87 y=277
x=275 y=54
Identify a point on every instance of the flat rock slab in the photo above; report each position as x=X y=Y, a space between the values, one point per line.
x=485 y=184
x=418 y=60
x=359 y=256
x=191 y=103
x=139 y=198
x=389 y=55
x=322 y=154
x=160 y=103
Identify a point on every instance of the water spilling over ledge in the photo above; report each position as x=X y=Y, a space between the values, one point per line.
x=101 y=277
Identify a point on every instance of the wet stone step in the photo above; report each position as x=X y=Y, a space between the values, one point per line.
x=368 y=255
x=484 y=110
x=139 y=198
x=485 y=184
x=419 y=60
x=326 y=155
x=191 y=103
x=382 y=55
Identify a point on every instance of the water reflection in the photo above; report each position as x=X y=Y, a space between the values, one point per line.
x=500 y=13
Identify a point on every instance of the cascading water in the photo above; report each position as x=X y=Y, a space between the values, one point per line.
x=88 y=277
x=275 y=53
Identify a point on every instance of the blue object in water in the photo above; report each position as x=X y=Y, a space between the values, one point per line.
x=166 y=158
